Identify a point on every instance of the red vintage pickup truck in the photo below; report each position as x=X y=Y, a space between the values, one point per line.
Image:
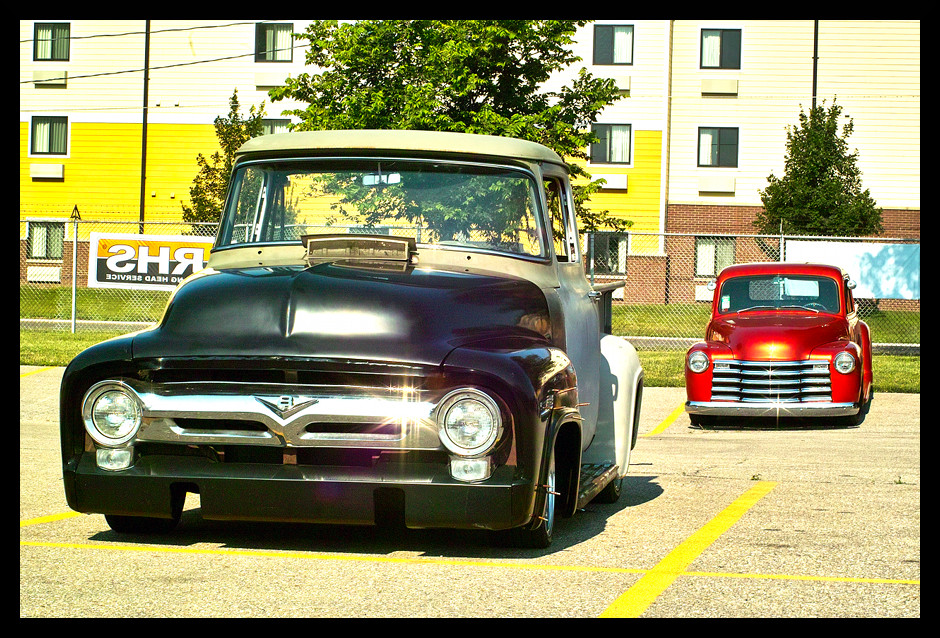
x=784 y=340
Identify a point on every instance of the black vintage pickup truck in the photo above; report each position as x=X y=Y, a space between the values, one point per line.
x=393 y=326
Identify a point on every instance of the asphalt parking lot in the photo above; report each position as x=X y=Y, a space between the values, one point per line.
x=745 y=519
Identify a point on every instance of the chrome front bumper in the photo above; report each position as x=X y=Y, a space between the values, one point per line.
x=771 y=408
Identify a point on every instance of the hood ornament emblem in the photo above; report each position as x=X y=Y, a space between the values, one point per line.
x=285 y=405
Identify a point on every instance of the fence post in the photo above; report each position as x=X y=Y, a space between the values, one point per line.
x=75 y=217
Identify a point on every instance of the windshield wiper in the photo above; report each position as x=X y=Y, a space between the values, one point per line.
x=802 y=308
x=755 y=308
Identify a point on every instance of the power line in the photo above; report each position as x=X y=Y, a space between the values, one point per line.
x=171 y=66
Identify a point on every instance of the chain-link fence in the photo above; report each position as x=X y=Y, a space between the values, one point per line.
x=664 y=304
x=106 y=293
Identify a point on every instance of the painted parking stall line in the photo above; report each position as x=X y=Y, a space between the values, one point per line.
x=636 y=600
x=49 y=519
x=667 y=421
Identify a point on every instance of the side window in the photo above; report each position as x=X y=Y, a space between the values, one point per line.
x=45 y=240
x=717 y=146
x=613 y=144
x=564 y=235
x=849 y=299
x=51 y=41
x=721 y=49
x=48 y=135
x=613 y=44
x=274 y=42
x=712 y=254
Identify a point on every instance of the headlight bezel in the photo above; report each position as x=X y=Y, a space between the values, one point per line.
x=445 y=408
x=135 y=412
x=844 y=356
x=699 y=358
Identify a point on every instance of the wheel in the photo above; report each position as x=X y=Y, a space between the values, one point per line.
x=611 y=492
x=149 y=524
x=141 y=524
x=538 y=535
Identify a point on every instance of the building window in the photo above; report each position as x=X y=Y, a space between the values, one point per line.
x=712 y=254
x=721 y=49
x=272 y=126
x=613 y=145
x=607 y=253
x=49 y=135
x=51 y=41
x=274 y=42
x=45 y=240
x=718 y=147
x=613 y=44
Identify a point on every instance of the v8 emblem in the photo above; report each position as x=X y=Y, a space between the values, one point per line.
x=285 y=405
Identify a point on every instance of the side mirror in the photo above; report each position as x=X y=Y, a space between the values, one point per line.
x=850 y=284
x=711 y=285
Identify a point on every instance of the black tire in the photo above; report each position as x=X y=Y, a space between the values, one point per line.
x=539 y=533
x=148 y=524
x=611 y=492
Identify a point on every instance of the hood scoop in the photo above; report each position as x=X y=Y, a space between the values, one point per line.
x=378 y=252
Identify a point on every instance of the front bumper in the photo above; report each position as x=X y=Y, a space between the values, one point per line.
x=771 y=408
x=425 y=493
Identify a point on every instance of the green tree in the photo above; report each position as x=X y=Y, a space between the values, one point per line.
x=468 y=76
x=821 y=190
x=207 y=194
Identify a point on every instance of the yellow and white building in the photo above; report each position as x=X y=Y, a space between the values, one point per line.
x=701 y=124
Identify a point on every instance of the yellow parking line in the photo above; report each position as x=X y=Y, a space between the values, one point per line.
x=26 y=374
x=669 y=419
x=641 y=595
x=441 y=562
x=48 y=519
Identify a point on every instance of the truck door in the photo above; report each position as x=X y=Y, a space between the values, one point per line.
x=581 y=322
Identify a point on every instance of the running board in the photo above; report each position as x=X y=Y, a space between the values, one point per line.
x=594 y=478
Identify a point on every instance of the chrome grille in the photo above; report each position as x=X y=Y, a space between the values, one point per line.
x=779 y=381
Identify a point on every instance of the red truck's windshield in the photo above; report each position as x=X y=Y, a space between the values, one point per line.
x=771 y=292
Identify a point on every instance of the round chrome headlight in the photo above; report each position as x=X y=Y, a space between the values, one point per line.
x=469 y=422
x=844 y=362
x=698 y=361
x=112 y=413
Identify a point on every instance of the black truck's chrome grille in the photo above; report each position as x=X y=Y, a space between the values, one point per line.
x=779 y=381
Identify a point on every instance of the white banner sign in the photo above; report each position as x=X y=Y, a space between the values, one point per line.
x=880 y=271
x=144 y=262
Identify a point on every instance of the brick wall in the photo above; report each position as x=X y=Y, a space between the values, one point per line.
x=733 y=220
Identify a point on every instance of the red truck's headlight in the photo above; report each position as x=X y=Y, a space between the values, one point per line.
x=844 y=362
x=698 y=361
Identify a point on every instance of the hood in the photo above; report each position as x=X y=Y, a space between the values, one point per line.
x=342 y=310
x=781 y=336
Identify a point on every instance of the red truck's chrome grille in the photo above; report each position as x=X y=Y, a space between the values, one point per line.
x=780 y=381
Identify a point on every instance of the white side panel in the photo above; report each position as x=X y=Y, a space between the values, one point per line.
x=620 y=372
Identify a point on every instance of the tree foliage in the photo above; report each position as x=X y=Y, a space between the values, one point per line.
x=207 y=194
x=821 y=190
x=468 y=76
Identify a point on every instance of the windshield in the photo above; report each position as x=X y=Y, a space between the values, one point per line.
x=768 y=292
x=456 y=204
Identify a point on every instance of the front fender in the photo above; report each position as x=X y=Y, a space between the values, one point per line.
x=539 y=385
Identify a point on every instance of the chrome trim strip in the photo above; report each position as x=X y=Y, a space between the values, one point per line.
x=772 y=408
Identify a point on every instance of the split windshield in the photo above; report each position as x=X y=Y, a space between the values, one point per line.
x=444 y=203
x=771 y=292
